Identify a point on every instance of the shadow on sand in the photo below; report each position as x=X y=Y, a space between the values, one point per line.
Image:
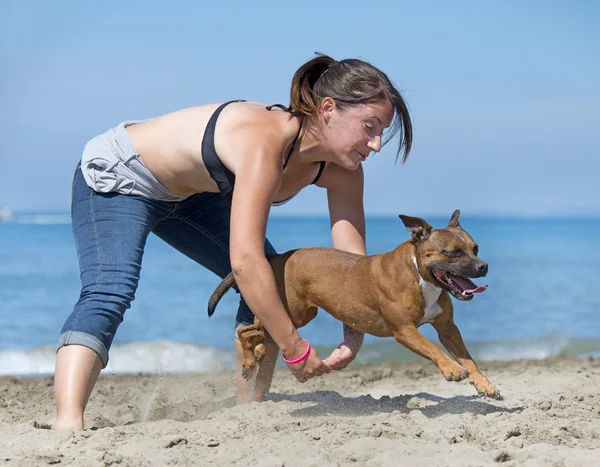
x=331 y=402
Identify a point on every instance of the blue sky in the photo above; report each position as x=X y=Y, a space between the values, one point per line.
x=504 y=95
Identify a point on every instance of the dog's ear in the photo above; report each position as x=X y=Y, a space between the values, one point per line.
x=418 y=228
x=454 y=219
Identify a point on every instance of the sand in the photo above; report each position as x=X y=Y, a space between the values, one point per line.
x=374 y=415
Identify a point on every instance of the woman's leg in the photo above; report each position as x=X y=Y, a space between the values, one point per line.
x=110 y=232
x=75 y=374
x=199 y=228
x=257 y=388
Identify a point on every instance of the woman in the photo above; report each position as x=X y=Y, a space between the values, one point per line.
x=204 y=179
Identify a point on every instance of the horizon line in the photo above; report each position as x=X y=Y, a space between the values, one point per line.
x=378 y=215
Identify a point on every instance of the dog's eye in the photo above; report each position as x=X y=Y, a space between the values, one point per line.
x=453 y=253
x=475 y=250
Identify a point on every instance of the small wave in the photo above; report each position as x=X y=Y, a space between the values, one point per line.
x=534 y=349
x=538 y=349
x=585 y=356
x=172 y=357
x=137 y=357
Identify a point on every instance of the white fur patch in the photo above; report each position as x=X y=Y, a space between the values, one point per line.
x=431 y=293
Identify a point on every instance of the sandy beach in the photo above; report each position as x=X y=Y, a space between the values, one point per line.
x=380 y=415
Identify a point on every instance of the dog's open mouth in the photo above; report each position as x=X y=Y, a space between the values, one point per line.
x=461 y=287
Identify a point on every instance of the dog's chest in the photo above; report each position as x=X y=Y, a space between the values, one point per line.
x=430 y=293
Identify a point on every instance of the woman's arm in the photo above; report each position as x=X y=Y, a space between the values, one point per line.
x=346 y=212
x=258 y=177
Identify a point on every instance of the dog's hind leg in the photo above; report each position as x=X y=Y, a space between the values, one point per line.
x=257 y=347
x=252 y=340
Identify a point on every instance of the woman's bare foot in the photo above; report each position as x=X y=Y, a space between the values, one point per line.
x=72 y=424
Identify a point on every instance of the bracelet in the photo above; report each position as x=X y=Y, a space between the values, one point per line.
x=301 y=358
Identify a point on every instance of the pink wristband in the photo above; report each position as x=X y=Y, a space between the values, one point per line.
x=301 y=358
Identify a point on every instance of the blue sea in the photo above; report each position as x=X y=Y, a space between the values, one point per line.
x=543 y=298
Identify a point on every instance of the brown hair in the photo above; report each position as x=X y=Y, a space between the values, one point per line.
x=349 y=82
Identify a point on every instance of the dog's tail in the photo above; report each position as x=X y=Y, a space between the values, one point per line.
x=221 y=289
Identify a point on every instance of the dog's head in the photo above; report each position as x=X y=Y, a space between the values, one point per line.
x=447 y=257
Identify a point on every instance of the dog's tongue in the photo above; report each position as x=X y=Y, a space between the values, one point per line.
x=467 y=285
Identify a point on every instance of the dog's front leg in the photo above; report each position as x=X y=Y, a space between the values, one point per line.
x=451 y=339
x=346 y=352
x=410 y=337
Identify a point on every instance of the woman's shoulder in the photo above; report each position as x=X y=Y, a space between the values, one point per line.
x=253 y=123
x=255 y=114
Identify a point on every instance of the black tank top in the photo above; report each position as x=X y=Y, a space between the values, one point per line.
x=225 y=178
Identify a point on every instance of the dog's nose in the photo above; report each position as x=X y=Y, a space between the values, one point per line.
x=482 y=268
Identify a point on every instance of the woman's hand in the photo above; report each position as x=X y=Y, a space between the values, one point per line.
x=309 y=368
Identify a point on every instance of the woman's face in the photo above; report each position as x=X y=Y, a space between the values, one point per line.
x=350 y=134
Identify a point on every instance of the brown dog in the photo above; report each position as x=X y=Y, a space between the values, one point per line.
x=385 y=295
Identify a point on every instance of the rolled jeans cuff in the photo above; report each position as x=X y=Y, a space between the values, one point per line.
x=86 y=340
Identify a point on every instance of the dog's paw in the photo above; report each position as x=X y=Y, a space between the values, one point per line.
x=247 y=372
x=496 y=395
x=485 y=388
x=454 y=372
x=492 y=393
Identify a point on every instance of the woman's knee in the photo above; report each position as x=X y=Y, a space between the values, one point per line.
x=96 y=318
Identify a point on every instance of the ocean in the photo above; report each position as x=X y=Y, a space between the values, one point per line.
x=543 y=298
